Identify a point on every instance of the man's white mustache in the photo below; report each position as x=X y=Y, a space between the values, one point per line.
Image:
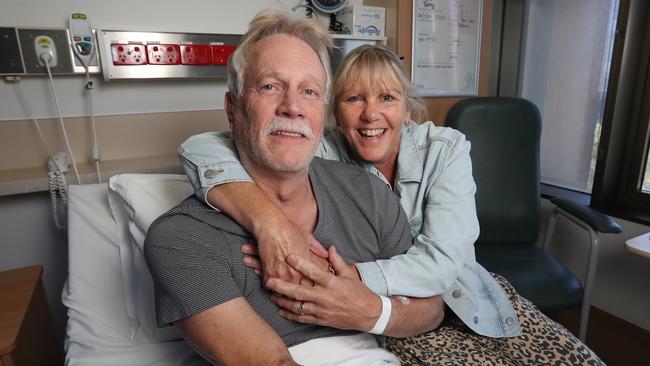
x=284 y=125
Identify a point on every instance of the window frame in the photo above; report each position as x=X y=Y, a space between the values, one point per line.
x=630 y=194
x=626 y=124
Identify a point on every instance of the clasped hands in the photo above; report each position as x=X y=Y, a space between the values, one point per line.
x=310 y=292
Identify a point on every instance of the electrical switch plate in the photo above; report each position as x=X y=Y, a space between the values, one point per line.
x=128 y=54
x=11 y=62
x=220 y=53
x=163 y=54
x=196 y=54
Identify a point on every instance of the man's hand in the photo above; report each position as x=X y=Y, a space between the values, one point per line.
x=340 y=301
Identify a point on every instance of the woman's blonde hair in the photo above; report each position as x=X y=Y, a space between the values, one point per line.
x=272 y=22
x=375 y=67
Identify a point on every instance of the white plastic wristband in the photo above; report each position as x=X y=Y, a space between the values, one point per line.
x=386 y=308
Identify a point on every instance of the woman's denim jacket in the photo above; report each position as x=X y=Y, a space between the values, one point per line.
x=436 y=189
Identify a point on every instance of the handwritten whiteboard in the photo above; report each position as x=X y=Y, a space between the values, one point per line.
x=446 y=45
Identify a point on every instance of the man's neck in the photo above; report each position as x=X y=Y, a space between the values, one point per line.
x=292 y=192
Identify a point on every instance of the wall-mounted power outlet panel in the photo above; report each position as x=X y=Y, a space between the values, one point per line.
x=61 y=42
x=185 y=55
x=196 y=54
x=10 y=61
x=129 y=54
x=164 y=54
x=221 y=53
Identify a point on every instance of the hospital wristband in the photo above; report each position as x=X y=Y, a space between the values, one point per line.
x=386 y=308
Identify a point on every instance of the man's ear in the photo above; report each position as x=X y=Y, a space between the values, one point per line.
x=229 y=104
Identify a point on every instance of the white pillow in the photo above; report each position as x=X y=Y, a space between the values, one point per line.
x=136 y=201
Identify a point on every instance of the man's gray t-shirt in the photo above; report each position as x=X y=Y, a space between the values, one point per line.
x=194 y=254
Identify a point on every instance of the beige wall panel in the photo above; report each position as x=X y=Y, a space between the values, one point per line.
x=120 y=137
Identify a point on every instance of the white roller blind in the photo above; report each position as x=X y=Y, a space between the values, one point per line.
x=566 y=61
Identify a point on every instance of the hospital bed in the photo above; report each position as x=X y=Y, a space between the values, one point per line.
x=109 y=290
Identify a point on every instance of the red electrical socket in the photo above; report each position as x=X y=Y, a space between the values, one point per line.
x=220 y=53
x=128 y=54
x=163 y=54
x=196 y=54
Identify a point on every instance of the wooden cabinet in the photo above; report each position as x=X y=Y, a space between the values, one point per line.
x=26 y=329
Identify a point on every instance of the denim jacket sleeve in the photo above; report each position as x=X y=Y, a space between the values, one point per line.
x=211 y=158
x=442 y=215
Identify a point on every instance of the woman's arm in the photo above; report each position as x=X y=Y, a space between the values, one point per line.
x=449 y=225
x=344 y=302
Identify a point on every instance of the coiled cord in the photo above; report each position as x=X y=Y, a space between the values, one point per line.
x=335 y=25
x=56 y=183
x=309 y=9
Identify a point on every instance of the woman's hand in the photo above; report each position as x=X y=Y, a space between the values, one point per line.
x=340 y=301
x=252 y=260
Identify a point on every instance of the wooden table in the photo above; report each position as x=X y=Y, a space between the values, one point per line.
x=26 y=329
x=639 y=245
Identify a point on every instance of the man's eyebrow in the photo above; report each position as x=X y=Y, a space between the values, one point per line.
x=280 y=76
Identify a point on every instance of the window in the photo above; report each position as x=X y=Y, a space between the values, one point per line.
x=565 y=65
x=586 y=65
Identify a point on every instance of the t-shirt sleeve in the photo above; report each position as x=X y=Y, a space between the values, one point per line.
x=190 y=275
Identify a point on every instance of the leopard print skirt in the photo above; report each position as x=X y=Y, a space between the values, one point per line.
x=542 y=342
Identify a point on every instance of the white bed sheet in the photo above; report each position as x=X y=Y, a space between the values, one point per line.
x=102 y=326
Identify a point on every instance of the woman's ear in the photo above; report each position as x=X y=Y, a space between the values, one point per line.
x=407 y=118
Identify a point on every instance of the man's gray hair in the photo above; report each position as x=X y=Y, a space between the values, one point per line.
x=272 y=22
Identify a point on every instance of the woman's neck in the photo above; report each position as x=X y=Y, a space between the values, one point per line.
x=388 y=170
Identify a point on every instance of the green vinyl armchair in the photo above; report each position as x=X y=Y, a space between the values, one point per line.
x=505 y=137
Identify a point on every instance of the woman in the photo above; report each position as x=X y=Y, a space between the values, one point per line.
x=429 y=168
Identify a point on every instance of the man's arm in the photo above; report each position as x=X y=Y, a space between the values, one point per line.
x=344 y=302
x=233 y=334
x=191 y=265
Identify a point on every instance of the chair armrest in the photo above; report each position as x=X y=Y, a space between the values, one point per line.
x=592 y=217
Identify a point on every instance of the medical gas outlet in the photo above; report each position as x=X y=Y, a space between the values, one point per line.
x=45 y=51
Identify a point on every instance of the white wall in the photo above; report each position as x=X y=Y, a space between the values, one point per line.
x=127 y=97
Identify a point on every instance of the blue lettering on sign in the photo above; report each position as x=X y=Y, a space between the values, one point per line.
x=370 y=30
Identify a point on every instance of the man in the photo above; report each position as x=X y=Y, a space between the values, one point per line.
x=278 y=84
